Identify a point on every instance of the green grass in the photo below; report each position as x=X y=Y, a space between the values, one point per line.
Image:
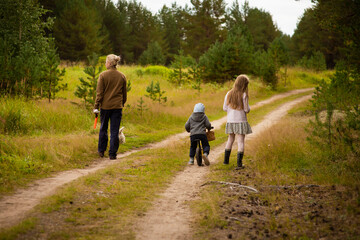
x=113 y=198
x=40 y=138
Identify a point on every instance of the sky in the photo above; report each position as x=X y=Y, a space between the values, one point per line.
x=285 y=13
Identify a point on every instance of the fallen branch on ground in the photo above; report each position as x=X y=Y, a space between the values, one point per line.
x=231 y=184
x=294 y=186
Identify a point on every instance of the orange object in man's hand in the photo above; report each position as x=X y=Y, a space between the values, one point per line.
x=95 y=122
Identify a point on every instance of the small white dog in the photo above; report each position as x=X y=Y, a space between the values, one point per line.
x=121 y=136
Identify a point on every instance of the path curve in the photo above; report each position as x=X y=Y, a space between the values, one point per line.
x=15 y=207
x=170 y=216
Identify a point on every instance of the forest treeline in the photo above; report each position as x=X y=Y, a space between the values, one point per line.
x=221 y=40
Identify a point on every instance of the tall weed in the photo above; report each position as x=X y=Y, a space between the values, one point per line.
x=30 y=117
x=283 y=155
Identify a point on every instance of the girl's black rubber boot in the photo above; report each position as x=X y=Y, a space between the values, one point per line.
x=240 y=156
x=227 y=156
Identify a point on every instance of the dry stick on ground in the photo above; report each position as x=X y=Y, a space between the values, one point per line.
x=229 y=183
x=294 y=186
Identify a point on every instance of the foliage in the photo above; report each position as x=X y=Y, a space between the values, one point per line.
x=157 y=70
x=52 y=75
x=153 y=55
x=194 y=77
x=136 y=29
x=235 y=15
x=128 y=85
x=310 y=37
x=337 y=114
x=315 y=62
x=155 y=93
x=171 y=21
x=261 y=27
x=77 y=31
x=141 y=107
x=280 y=55
x=23 y=47
x=179 y=76
x=341 y=19
x=87 y=88
x=204 y=26
x=225 y=60
x=265 y=68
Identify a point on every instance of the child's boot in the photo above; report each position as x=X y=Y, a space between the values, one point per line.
x=191 y=161
x=240 y=156
x=227 y=156
x=206 y=159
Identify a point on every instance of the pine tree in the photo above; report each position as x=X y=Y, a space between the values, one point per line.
x=77 y=31
x=171 y=21
x=265 y=68
x=195 y=77
x=224 y=61
x=141 y=28
x=52 y=75
x=87 y=88
x=155 y=93
x=23 y=46
x=261 y=28
x=141 y=107
x=204 y=26
x=153 y=55
x=280 y=56
x=179 y=75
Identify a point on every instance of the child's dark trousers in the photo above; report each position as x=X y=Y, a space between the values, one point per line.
x=204 y=143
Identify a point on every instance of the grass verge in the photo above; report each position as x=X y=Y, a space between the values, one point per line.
x=302 y=195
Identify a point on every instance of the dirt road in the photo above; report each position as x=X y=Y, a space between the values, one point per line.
x=14 y=208
x=170 y=216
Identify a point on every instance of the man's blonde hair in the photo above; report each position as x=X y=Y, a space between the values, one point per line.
x=113 y=59
x=235 y=96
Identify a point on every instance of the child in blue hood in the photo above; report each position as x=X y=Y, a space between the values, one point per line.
x=197 y=124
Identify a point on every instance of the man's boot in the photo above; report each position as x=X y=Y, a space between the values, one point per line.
x=227 y=156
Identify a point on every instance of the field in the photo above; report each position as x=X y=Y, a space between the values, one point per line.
x=40 y=138
x=52 y=137
x=302 y=194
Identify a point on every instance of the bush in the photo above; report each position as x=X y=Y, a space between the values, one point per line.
x=102 y=60
x=152 y=55
x=338 y=130
x=224 y=61
x=265 y=68
x=315 y=62
x=155 y=70
x=179 y=75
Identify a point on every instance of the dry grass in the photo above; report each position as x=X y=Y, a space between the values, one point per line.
x=283 y=166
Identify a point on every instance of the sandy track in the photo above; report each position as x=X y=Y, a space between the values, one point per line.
x=14 y=208
x=170 y=217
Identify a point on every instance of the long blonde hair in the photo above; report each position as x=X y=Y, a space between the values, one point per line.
x=235 y=96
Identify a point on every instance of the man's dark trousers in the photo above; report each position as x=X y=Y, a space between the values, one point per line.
x=114 y=115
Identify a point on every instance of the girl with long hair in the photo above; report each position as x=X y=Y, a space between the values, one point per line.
x=236 y=104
